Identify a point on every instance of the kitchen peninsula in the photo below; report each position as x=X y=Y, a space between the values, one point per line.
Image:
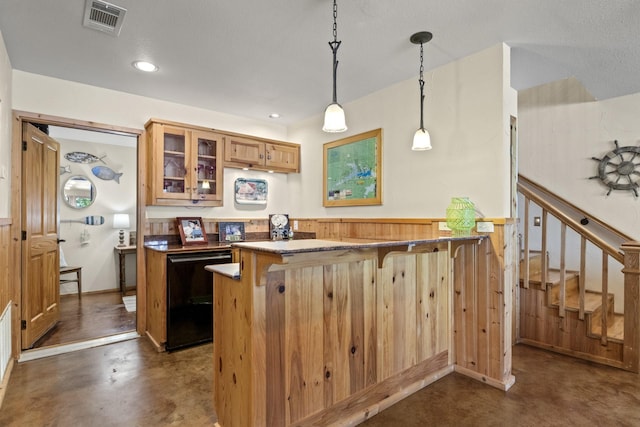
x=319 y=332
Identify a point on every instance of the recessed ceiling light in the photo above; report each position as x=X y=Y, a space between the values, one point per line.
x=145 y=66
x=274 y=116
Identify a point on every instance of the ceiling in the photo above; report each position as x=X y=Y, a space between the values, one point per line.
x=251 y=58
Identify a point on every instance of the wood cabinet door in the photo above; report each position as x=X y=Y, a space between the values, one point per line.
x=206 y=149
x=171 y=160
x=282 y=157
x=244 y=150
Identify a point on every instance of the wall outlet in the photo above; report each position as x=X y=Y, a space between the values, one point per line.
x=295 y=225
x=484 y=227
x=442 y=226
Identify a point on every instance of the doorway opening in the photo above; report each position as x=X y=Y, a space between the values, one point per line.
x=91 y=299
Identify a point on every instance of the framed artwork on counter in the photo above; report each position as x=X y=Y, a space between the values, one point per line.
x=192 y=231
x=231 y=231
x=352 y=170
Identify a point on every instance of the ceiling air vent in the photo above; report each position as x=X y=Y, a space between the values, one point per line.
x=103 y=16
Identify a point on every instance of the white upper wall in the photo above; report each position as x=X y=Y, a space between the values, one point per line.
x=467 y=108
x=558 y=140
x=5 y=131
x=46 y=95
x=468 y=105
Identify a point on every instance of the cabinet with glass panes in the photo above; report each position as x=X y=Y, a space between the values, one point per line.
x=184 y=165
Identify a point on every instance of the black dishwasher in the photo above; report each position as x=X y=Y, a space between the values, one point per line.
x=190 y=297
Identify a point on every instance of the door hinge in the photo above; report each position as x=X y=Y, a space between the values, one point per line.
x=23 y=324
x=24 y=235
x=24 y=145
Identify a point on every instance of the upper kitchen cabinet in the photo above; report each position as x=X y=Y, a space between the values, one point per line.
x=184 y=165
x=259 y=154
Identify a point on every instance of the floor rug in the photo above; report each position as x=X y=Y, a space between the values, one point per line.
x=129 y=303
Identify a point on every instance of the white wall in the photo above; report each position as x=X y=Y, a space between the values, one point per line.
x=558 y=141
x=5 y=131
x=467 y=108
x=46 y=95
x=561 y=128
x=100 y=267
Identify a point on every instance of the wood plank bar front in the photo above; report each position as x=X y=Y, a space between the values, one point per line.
x=332 y=335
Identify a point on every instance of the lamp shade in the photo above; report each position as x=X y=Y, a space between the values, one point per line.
x=334 y=120
x=120 y=221
x=421 y=140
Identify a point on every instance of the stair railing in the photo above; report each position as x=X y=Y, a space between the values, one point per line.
x=611 y=242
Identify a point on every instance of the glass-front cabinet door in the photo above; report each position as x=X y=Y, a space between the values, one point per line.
x=185 y=166
x=174 y=163
x=207 y=182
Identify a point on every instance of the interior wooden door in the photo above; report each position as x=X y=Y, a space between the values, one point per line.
x=40 y=258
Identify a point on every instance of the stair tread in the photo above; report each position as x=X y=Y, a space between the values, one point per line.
x=615 y=327
x=592 y=301
x=553 y=277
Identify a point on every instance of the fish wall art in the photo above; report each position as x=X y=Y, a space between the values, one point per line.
x=106 y=173
x=82 y=157
x=65 y=169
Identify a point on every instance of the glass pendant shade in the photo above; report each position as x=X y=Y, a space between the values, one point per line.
x=421 y=140
x=334 y=120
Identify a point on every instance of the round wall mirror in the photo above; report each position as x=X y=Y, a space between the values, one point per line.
x=78 y=192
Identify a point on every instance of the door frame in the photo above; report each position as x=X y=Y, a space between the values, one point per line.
x=18 y=117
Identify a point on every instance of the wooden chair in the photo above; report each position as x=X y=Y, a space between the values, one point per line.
x=78 y=278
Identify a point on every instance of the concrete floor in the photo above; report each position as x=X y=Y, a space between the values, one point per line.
x=129 y=384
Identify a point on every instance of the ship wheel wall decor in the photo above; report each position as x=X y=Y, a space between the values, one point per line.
x=619 y=169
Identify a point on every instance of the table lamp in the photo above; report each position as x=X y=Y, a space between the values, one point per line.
x=121 y=221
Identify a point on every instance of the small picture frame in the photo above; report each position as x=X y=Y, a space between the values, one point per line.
x=192 y=231
x=231 y=231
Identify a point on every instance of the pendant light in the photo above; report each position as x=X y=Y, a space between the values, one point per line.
x=334 y=120
x=421 y=139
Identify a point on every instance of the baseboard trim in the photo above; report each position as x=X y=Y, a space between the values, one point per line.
x=39 y=353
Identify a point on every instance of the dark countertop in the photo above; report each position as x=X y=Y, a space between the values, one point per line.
x=285 y=247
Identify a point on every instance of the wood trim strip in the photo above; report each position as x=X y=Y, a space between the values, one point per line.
x=605 y=297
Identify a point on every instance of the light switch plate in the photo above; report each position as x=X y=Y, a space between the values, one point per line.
x=295 y=225
x=484 y=227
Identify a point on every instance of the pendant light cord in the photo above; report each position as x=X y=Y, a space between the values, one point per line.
x=421 y=81
x=334 y=45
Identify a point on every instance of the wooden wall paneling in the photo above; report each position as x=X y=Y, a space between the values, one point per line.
x=156 y=298
x=471 y=286
x=303 y=342
x=330 y=330
x=385 y=309
x=233 y=377
x=356 y=347
x=459 y=308
x=276 y=363
x=486 y=311
x=498 y=307
x=432 y=314
x=256 y=365
x=337 y=336
x=370 y=325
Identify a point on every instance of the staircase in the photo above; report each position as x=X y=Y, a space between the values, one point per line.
x=591 y=301
x=565 y=309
